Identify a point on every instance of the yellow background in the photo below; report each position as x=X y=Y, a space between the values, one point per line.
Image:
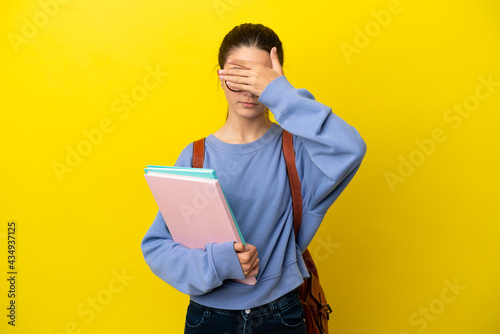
x=386 y=252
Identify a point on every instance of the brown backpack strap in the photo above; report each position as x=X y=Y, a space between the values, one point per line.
x=198 y=153
x=293 y=179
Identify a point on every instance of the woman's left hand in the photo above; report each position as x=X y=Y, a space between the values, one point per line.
x=253 y=77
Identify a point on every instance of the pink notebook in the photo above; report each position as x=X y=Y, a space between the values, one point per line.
x=195 y=210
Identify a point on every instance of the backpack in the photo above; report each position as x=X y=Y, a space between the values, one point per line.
x=316 y=309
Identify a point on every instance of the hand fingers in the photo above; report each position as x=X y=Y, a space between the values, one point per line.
x=251 y=269
x=247 y=252
x=237 y=78
x=248 y=258
x=229 y=72
x=240 y=86
x=254 y=271
x=253 y=79
x=239 y=247
x=275 y=61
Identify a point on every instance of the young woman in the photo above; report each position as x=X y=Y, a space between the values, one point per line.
x=246 y=154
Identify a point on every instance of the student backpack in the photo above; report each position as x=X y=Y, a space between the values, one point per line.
x=316 y=309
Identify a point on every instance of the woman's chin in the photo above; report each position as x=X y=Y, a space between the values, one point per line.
x=250 y=113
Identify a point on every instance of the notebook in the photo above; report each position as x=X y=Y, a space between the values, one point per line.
x=194 y=208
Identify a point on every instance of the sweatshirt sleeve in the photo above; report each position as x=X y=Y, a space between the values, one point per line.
x=191 y=271
x=328 y=150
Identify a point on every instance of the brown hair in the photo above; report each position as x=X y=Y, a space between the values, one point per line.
x=250 y=35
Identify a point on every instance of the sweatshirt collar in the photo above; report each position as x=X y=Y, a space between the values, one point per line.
x=256 y=145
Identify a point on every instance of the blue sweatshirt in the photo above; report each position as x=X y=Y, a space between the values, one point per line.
x=255 y=182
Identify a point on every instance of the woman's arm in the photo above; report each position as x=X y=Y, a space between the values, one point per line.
x=328 y=150
x=191 y=271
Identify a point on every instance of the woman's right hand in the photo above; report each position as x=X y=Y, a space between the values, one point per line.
x=248 y=257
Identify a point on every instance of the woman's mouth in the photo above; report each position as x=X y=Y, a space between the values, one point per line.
x=248 y=104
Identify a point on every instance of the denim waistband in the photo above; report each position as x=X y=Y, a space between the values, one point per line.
x=278 y=304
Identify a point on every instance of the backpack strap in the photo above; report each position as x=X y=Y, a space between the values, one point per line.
x=293 y=179
x=198 y=153
x=291 y=168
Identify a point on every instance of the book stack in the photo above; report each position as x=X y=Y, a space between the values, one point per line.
x=194 y=207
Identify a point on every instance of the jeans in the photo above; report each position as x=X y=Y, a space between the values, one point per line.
x=284 y=315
